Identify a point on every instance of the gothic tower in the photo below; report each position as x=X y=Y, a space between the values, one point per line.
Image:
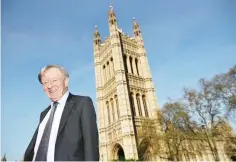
x=124 y=89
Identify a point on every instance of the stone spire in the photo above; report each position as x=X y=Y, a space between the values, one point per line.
x=112 y=18
x=136 y=28
x=96 y=37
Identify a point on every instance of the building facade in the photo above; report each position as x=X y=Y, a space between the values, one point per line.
x=126 y=97
x=124 y=89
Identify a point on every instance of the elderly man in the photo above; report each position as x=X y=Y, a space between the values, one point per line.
x=67 y=130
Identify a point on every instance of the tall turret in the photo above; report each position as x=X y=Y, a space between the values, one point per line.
x=146 y=72
x=124 y=90
x=136 y=29
x=96 y=38
x=113 y=25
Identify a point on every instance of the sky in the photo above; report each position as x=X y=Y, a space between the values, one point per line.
x=184 y=40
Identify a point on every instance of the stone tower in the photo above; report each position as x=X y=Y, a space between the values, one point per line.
x=124 y=89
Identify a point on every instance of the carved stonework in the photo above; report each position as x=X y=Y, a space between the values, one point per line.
x=121 y=69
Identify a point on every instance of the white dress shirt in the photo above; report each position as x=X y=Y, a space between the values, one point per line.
x=54 y=130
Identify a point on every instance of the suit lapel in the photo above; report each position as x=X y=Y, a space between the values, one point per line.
x=29 y=153
x=44 y=113
x=30 y=149
x=67 y=109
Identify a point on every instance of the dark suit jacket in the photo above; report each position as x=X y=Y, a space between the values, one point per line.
x=77 y=138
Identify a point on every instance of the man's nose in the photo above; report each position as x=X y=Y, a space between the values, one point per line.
x=49 y=85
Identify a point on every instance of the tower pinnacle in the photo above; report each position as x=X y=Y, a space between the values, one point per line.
x=136 y=28
x=112 y=18
x=96 y=36
x=111 y=7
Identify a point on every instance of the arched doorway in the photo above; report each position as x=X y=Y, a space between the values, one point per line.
x=233 y=158
x=118 y=153
x=121 y=154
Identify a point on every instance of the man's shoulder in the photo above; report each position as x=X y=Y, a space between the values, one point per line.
x=46 y=109
x=82 y=102
x=81 y=97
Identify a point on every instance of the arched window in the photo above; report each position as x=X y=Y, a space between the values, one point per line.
x=136 y=63
x=125 y=63
x=139 y=105
x=104 y=74
x=132 y=104
x=145 y=106
x=108 y=71
x=131 y=65
x=112 y=66
x=108 y=112
x=117 y=107
x=112 y=109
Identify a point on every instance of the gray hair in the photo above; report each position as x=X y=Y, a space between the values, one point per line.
x=62 y=69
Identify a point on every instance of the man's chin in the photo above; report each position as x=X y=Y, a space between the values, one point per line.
x=53 y=98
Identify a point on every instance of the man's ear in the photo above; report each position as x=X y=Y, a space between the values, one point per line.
x=67 y=82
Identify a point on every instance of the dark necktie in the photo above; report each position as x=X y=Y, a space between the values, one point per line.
x=43 y=146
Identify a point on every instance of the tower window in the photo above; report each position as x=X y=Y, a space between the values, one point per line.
x=145 y=106
x=104 y=74
x=112 y=108
x=132 y=105
x=130 y=59
x=112 y=66
x=139 y=105
x=112 y=22
x=108 y=113
x=125 y=63
x=117 y=107
x=136 y=63
x=108 y=71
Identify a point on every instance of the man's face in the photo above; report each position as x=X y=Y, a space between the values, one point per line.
x=54 y=83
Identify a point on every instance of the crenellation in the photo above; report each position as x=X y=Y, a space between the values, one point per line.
x=106 y=40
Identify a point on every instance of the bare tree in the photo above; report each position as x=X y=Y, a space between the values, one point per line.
x=199 y=120
x=225 y=87
x=211 y=105
x=176 y=130
x=206 y=110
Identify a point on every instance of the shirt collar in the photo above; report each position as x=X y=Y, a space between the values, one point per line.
x=63 y=99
